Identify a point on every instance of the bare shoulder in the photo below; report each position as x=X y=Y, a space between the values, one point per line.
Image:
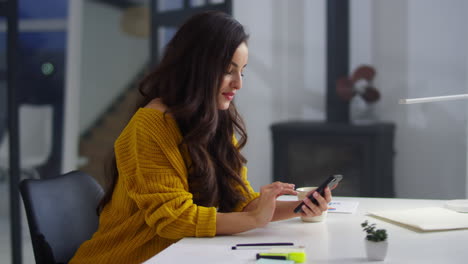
x=157 y=104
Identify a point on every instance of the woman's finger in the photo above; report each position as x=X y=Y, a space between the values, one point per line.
x=311 y=210
x=322 y=203
x=306 y=211
x=314 y=208
x=288 y=191
x=285 y=185
x=286 y=188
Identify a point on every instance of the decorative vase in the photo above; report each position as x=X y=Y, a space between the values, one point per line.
x=376 y=250
x=361 y=112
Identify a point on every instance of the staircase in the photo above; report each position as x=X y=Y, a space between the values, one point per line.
x=97 y=145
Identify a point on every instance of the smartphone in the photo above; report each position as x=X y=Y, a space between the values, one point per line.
x=331 y=182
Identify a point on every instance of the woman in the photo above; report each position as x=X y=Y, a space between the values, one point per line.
x=179 y=171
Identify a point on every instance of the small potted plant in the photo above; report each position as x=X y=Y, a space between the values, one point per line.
x=376 y=241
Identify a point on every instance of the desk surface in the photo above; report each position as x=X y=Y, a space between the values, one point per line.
x=338 y=240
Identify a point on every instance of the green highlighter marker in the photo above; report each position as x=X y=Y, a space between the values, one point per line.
x=298 y=257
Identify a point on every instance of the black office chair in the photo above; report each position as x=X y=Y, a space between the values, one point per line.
x=61 y=214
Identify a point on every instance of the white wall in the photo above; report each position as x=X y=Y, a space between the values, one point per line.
x=423 y=53
x=110 y=60
x=418 y=48
x=285 y=75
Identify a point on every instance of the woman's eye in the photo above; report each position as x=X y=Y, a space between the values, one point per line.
x=231 y=72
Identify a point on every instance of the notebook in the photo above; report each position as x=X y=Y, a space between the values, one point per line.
x=427 y=218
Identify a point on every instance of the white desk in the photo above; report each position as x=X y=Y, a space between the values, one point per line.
x=338 y=240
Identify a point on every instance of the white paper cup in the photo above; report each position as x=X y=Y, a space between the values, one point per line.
x=301 y=195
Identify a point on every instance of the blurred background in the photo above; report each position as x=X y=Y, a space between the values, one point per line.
x=79 y=63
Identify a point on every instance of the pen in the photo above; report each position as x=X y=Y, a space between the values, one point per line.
x=266 y=244
x=281 y=257
x=261 y=245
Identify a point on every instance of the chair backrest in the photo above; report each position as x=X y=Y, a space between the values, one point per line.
x=61 y=214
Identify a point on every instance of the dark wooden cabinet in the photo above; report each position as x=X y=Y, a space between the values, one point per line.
x=306 y=153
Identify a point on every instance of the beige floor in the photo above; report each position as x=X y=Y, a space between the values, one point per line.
x=5 y=243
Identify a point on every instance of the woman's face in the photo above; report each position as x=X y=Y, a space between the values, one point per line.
x=232 y=79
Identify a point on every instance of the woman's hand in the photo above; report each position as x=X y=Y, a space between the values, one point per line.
x=311 y=209
x=266 y=204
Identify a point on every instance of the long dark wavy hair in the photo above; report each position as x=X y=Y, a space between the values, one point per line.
x=187 y=80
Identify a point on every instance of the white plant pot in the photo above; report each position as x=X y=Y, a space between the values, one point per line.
x=376 y=250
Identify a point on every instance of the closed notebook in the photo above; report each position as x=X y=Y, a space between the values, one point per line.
x=426 y=219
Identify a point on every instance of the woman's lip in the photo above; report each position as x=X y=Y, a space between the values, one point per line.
x=229 y=96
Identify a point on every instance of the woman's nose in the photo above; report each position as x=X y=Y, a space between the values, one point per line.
x=237 y=82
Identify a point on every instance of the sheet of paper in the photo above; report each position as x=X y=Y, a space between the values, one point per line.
x=426 y=219
x=347 y=207
x=273 y=261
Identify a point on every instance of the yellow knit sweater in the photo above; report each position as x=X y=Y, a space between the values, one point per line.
x=151 y=206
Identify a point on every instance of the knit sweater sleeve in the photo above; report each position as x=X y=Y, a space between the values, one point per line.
x=154 y=175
